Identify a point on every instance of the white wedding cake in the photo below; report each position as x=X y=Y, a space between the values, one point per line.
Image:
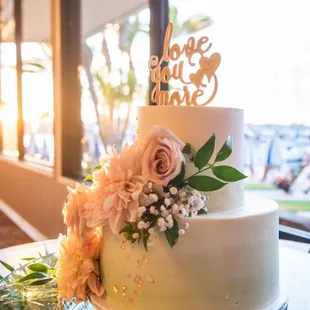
x=164 y=224
x=228 y=259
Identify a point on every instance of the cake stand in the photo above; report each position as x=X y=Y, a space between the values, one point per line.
x=281 y=303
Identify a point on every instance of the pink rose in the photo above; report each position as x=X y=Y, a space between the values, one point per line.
x=162 y=158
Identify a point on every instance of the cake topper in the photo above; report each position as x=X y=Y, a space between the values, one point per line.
x=201 y=78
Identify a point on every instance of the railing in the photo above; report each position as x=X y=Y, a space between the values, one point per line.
x=293 y=234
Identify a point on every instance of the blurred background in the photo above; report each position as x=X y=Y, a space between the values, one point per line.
x=74 y=72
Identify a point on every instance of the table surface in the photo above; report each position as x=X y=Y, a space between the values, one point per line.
x=294 y=267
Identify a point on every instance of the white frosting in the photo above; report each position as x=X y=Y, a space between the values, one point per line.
x=195 y=125
x=225 y=261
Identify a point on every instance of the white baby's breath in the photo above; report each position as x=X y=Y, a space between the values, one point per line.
x=181 y=232
x=141 y=225
x=175 y=208
x=161 y=222
x=153 y=197
x=135 y=235
x=173 y=190
x=167 y=202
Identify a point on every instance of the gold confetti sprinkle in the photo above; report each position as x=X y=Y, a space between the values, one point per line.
x=150 y=279
x=130 y=300
x=115 y=289
x=129 y=275
x=140 y=263
x=135 y=295
x=146 y=259
x=124 y=290
x=138 y=280
x=123 y=246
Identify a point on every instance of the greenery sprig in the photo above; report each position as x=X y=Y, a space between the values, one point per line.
x=35 y=274
x=223 y=173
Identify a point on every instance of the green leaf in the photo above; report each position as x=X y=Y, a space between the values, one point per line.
x=172 y=234
x=145 y=238
x=28 y=258
x=40 y=282
x=202 y=212
x=204 y=153
x=127 y=228
x=88 y=178
x=52 y=271
x=225 y=151
x=31 y=276
x=180 y=177
x=205 y=183
x=37 y=267
x=228 y=174
x=1 y=278
x=7 y=266
x=96 y=168
x=187 y=149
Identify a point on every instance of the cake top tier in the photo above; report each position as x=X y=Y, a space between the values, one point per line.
x=200 y=86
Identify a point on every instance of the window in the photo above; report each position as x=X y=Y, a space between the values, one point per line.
x=8 y=103
x=114 y=81
x=37 y=81
x=266 y=72
x=32 y=112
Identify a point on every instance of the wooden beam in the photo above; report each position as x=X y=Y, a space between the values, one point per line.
x=1 y=126
x=18 y=41
x=1 y=135
x=66 y=42
x=159 y=19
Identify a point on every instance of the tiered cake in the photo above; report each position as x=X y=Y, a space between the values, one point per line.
x=177 y=231
x=228 y=259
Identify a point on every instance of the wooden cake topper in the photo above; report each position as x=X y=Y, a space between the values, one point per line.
x=200 y=78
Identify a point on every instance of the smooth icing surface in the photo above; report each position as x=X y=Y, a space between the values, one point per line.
x=195 y=125
x=225 y=261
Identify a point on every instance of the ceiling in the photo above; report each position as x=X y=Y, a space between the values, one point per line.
x=37 y=17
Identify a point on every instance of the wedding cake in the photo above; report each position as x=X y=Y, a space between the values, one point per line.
x=177 y=232
x=228 y=259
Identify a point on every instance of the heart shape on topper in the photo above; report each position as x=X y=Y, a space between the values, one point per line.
x=196 y=78
x=209 y=65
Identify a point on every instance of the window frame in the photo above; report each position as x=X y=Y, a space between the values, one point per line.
x=66 y=41
x=18 y=17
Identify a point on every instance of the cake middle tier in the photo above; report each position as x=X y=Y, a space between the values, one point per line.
x=195 y=125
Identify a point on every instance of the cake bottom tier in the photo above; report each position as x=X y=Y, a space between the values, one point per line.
x=225 y=261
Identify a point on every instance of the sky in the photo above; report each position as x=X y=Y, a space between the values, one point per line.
x=265 y=48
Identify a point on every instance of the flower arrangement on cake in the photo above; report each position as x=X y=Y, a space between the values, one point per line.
x=142 y=189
